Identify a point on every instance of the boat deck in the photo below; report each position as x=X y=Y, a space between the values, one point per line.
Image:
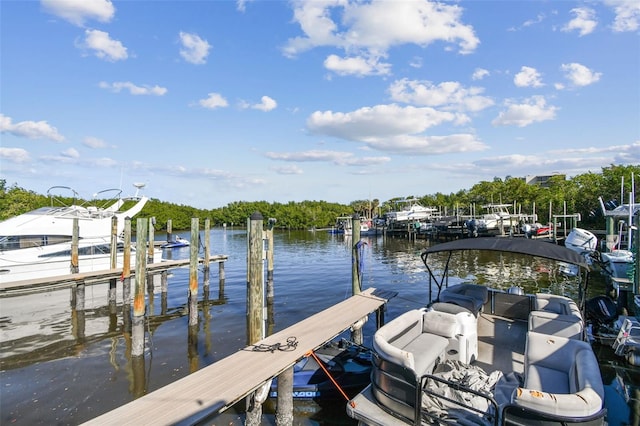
x=501 y=344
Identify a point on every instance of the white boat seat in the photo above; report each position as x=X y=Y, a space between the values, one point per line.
x=469 y=296
x=407 y=348
x=561 y=377
x=556 y=315
x=557 y=304
x=569 y=326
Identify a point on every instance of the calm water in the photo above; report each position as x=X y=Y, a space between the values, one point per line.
x=60 y=366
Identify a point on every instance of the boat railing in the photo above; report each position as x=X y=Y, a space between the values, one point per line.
x=485 y=416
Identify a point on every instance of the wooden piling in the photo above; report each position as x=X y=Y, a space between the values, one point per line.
x=151 y=247
x=193 y=272
x=255 y=303
x=207 y=249
x=270 y=225
x=75 y=238
x=126 y=263
x=113 y=263
x=137 y=348
x=356 y=285
x=284 y=409
x=169 y=230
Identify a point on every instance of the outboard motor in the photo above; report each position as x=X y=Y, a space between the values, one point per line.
x=472 y=227
x=516 y=290
x=601 y=310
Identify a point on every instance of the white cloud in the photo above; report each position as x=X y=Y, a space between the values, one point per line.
x=266 y=104
x=15 y=155
x=94 y=143
x=30 y=129
x=534 y=109
x=627 y=15
x=449 y=95
x=70 y=153
x=480 y=73
x=288 y=170
x=133 y=89
x=579 y=75
x=584 y=21
x=104 y=46
x=78 y=12
x=356 y=65
x=339 y=158
x=528 y=77
x=369 y=30
x=213 y=101
x=392 y=128
x=194 y=49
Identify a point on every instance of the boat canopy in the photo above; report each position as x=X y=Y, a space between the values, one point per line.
x=514 y=245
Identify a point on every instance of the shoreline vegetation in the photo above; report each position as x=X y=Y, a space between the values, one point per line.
x=578 y=194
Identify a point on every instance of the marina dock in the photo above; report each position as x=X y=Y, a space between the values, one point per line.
x=16 y=288
x=213 y=389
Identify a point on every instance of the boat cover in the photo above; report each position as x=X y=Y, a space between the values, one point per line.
x=469 y=376
x=514 y=245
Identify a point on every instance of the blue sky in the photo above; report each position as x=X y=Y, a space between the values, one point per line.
x=209 y=102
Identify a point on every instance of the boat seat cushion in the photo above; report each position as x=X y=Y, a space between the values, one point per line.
x=416 y=340
x=551 y=323
x=561 y=377
x=469 y=296
x=557 y=304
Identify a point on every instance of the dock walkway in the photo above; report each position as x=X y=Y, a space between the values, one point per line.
x=217 y=387
x=16 y=288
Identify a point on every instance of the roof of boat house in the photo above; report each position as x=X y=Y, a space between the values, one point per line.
x=526 y=246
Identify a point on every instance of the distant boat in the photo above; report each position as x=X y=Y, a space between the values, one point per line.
x=37 y=244
x=411 y=210
x=178 y=242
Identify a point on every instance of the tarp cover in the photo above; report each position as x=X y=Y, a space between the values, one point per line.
x=526 y=246
x=469 y=376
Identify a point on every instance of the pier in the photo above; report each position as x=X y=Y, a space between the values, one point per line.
x=213 y=389
x=17 y=288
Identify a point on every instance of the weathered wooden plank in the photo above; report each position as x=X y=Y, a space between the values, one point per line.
x=61 y=281
x=220 y=385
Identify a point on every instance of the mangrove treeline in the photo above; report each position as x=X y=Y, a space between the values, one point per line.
x=578 y=194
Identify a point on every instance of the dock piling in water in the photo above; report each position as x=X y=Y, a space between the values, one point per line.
x=255 y=303
x=193 y=272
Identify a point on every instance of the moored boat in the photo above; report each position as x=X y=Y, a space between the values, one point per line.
x=478 y=355
x=37 y=244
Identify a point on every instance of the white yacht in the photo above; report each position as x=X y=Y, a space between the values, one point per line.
x=37 y=244
x=411 y=211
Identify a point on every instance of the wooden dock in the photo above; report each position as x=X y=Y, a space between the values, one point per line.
x=17 y=288
x=217 y=387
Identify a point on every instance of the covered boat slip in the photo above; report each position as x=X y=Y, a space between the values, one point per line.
x=201 y=395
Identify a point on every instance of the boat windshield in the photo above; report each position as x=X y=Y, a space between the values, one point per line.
x=16 y=242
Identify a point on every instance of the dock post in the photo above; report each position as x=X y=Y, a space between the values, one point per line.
x=152 y=237
x=270 y=291
x=207 y=251
x=356 y=285
x=137 y=347
x=193 y=273
x=255 y=303
x=284 y=408
x=75 y=238
x=270 y=225
x=113 y=264
x=169 y=231
x=126 y=263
